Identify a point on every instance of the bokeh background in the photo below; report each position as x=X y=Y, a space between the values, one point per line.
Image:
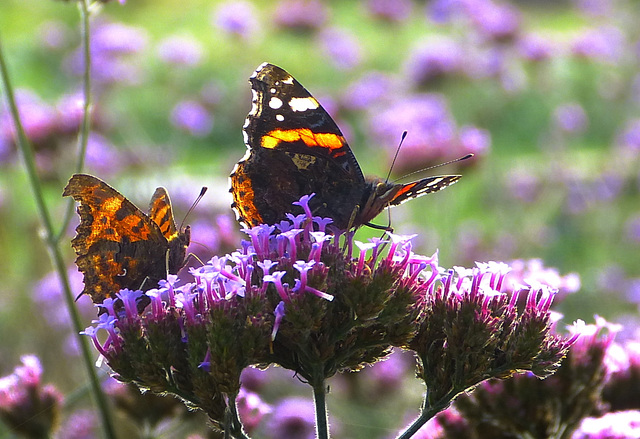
x=545 y=94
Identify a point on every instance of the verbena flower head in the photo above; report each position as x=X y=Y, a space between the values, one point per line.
x=526 y=406
x=293 y=418
x=318 y=304
x=300 y=15
x=26 y=405
x=623 y=376
x=236 y=18
x=469 y=331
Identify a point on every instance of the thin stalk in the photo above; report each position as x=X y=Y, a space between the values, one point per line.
x=320 y=401
x=54 y=250
x=235 y=425
x=428 y=411
x=85 y=127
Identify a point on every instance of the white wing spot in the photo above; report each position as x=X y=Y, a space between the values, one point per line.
x=275 y=103
x=272 y=90
x=279 y=117
x=288 y=80
x=303 y=104
x=435 y=182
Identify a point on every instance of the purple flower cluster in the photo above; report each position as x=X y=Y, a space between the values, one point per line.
x=236 y=18
x=468 y=321
x=26 y=405
x=526 y=406
x=432 y=133
x=114 y=47
x=300 y=15
x=289 y=297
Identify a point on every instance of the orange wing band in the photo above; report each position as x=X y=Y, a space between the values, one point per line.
x=311 y=139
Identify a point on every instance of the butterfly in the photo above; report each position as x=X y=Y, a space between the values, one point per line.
x=117 y=245
x=295 y=148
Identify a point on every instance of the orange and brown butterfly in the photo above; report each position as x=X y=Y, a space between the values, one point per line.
x=119 y=246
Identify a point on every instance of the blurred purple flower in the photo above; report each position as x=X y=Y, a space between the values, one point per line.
x=611 y=279
x=212 y=93
x=386 y=376
x=300 y=15
x=632 y=227
x=595 y=8
x=192 y=117
x=341 y=48
x=39 y=120
x=523 y=185
x=208 y=238
x=481 y=63
x=5 y=147
x=117 y=39
x=254 y=379
x=608 y=187
x=112 y=45
x=367 y=91
x=444 y=11
x=70 y=111
x=113 y=70
x=615 y=425
x=54 y=34
x=433 y=60
x=237 y=18
x=532 y=273
x=390 y=10
x=48 y=293
x=102 y=156
x=498 y=22
x=27 y=407
x=570 y=118
x=293 y=418
x=431 y=129
x=81 y=424
x=535 y=48
x=474 y=140
x=251 y=409
x=180 y=50
x=604 y=44
x=632 y=290
x=630 y=137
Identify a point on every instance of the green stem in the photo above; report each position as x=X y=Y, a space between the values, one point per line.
x=235 y=425
x=85 y=128
x=428 y=411
x=54 y=250
x=320 y=400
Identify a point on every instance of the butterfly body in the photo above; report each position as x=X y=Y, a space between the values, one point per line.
x=295 y=148
x=119 y=246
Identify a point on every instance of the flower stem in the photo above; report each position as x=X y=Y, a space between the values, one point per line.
x=320 y=400
x=428 y=411
x=54 y=250
x=83 y=136
x=235 y=425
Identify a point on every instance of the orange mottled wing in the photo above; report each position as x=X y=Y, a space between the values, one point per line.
x=117 y=245
x=161 y=213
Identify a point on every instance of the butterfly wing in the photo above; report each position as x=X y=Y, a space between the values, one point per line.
x=409 y=191
x=294 y=148
x=117 y=245
x=381 y=194
x=161 y=213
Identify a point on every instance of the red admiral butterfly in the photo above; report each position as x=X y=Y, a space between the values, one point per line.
x=295 y=148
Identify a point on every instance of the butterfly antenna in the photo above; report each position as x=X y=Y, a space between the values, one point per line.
x=404 y=136
x=193 y=206
x=459 y=159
